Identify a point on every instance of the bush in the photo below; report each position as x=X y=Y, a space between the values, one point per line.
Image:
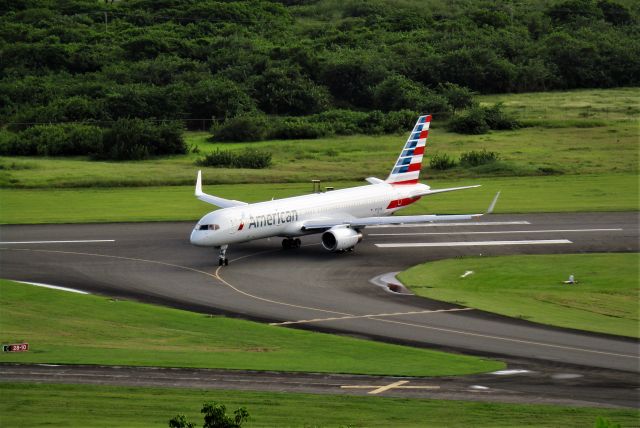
x=499 y=120
x=458 y=97
x=299 y=128
x=399 y=121
x=471 y=122
x=53 y=140
x=134 y=139
x=476 y=158
x=249 y=158
x=441 y=162
x=478 y=120
x=241 y=128
x=342 y=122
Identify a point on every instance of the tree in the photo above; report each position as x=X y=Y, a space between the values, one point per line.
x=215 y=416
x=180 y=421
x=285 y=91
x=397 y=92
x=458 y=97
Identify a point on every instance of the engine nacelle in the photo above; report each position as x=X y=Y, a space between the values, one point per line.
x=340 y=239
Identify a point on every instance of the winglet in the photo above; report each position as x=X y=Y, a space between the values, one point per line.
x=199 y=184
x=493 y=203
x=214 y=200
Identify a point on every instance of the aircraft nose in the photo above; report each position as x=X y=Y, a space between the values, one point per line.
x=194 y=238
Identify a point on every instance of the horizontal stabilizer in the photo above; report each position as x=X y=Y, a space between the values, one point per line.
x=450 y=189
x=214 y=200
x=374 y=180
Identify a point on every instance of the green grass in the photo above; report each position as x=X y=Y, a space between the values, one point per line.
x=530 y=287
x=529 y=151
x=576 y=132
x=589 y=105
x=105 y=406
x=520 y=194
x=63 y=327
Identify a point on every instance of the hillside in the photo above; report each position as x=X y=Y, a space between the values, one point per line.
x=188 y=62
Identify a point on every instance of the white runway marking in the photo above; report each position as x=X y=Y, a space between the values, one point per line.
x=510 y=372
x=473 y=243
x=401 y=384
x=350 y=317
x=474 y=223
x=498 y=232
x=479 y=387
x=82 y=241
x=54 y=287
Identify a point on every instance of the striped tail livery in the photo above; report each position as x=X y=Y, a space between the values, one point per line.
x=407 y=167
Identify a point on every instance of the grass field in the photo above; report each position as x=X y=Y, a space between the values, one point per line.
x=63 y=327
x=104 y=406
x=570 y=134
x=530 y=287
x=519 y=195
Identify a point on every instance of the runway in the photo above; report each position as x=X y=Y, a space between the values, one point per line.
x=538 y=384
x=312 y=288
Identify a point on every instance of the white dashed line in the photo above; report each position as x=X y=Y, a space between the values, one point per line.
x=510 y=372
x=496 y=232
x=82 y=241
x=475 y=223
x=473 y=243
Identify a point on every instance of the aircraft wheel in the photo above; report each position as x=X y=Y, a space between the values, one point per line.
x=298 y=243
x=286 y=244
x=226 y=262
x=220 y=261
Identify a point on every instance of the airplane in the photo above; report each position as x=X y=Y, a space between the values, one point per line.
x=339 y=215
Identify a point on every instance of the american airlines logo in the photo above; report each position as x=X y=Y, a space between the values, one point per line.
x=273 y=219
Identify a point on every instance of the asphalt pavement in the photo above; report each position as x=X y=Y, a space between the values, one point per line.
x=314 y=289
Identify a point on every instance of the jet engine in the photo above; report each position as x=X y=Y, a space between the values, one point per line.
x=340 y=239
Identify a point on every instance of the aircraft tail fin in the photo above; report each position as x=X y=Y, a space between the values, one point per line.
x=407 y=167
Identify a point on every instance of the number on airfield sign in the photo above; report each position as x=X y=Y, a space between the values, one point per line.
x=16 y=347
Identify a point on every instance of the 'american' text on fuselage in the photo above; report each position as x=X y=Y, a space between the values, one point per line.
x=273 y=219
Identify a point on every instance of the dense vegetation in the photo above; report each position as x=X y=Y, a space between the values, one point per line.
x=198 y=62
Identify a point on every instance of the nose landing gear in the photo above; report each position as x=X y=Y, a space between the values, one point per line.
x=291 y=243
x=222 y=256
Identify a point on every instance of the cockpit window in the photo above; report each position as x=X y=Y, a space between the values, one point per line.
x=209 y=227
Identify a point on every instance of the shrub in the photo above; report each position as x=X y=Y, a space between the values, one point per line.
x=458 y=97
x=342 y=122
x=471 y=122
x=499 y=120
x=241 y=128
x=249 y=158
x=134 y=139
x=299 y=128
x=475 y=158
x=399 y=121
x=441 y=162
x=53 y=140
x=478 y=120
x=11 y=146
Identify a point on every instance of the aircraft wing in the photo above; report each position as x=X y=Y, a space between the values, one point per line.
x=214 y=200
x=400 y=219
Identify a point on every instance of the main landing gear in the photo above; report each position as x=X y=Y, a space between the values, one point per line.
x=222 y=257
x=291 y=243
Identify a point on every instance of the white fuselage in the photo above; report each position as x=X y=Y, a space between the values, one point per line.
x=285 y=217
